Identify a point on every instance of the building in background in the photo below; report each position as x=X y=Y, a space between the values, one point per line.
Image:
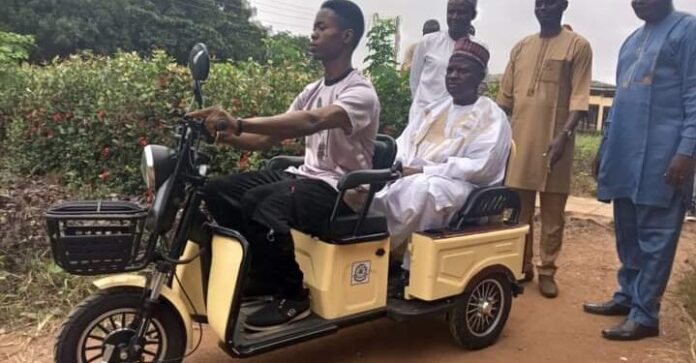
x=601 y=100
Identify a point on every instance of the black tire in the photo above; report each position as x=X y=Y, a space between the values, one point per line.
x=104 y=314
x=479 y=318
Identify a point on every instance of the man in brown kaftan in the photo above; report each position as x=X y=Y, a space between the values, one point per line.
x=546 y=89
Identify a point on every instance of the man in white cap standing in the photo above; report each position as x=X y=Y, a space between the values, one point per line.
x=432 y=55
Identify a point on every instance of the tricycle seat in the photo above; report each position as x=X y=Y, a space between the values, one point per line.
x=372 y=228
x=364 y=226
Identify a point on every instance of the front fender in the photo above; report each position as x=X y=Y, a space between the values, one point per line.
x=170 y=296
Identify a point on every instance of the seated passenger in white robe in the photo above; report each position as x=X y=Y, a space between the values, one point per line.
x=457 y=145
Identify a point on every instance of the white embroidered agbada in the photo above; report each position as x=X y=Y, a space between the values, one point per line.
x=461 y=148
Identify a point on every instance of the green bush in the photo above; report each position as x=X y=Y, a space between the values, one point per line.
x=586 y=146
x=86 y=119
x=14 y=49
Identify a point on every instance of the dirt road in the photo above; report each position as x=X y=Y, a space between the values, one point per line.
x=539 y=330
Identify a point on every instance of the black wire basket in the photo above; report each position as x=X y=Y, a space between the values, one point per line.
x=98 y=237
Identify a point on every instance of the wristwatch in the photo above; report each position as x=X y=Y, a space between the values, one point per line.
x=239 y=126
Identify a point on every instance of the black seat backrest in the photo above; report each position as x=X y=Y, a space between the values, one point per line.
x=487 y=202
x=383 y=158
x=385 y=152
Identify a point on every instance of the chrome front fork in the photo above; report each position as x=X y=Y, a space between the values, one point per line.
x=150 y=302
x=158 y=279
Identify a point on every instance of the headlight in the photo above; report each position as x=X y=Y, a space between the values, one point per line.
x=157 y=165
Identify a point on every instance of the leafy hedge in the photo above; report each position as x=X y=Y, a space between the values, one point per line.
x=87 y=119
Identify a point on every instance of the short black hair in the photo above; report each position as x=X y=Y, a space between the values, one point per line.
x=431 y=26
x=350 y=17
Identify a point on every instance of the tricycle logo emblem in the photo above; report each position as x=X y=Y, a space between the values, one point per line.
x=360 y=273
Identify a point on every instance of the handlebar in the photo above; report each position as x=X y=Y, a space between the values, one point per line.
x=221 y=125
x=198 y=125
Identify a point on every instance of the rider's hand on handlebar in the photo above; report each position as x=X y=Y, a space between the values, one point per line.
x=218 y=122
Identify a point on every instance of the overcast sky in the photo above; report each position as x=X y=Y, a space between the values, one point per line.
x=500 y=24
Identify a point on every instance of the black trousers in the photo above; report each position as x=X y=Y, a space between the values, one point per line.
x=264 y=206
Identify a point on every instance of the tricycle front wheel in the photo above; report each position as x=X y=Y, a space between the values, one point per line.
x=100 y=327
x=479 y=318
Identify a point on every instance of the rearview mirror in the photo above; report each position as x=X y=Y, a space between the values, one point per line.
x=199 y=62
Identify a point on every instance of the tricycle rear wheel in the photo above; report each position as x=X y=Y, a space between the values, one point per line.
x=480 y=316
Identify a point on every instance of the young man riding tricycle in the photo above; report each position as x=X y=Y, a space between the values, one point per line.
x=303 y=234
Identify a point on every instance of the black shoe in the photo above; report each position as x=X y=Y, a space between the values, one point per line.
x=278 y=313
x=609 y=308
x=630 y=330
x=528 y=277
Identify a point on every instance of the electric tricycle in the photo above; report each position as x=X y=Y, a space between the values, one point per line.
x=192 y=270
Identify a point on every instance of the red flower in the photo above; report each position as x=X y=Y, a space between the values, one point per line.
x=49 y=134
x=105 y=152
x=56 y=116
x=104 y=175
x=243 y=161
x=142 y=141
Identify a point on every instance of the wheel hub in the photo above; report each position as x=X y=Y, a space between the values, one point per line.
x=486 y=308
x=116 y=346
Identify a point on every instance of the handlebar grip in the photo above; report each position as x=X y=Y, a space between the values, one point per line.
x=199 y=124
x=221 y=125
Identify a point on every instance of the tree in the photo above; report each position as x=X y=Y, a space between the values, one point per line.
x=380 y=44
x=286 y=48
x=63 y=27
x=391 y=83
x=14 y=48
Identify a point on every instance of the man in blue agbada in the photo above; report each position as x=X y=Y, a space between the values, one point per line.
x=646 y=162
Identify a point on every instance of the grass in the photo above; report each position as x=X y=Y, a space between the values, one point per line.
x=586 y=146
x=37 y=292
x=33 y=290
